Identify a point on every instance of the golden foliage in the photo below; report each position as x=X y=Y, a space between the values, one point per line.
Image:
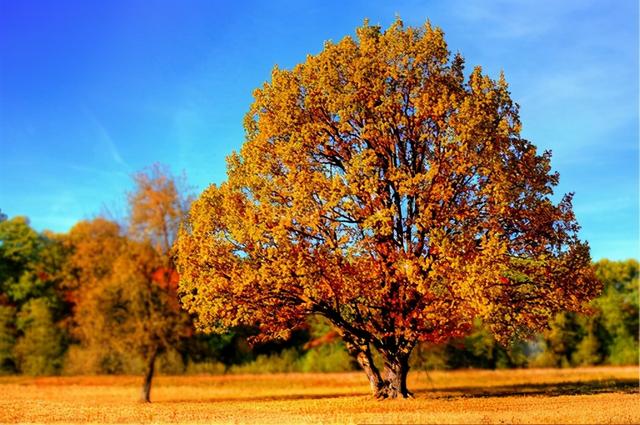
x=157 y=206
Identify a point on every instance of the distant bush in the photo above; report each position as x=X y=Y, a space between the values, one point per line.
x=81 y=361
x=170 y=363
x=427 y=356
x=624 y=351
x=327 y=358
x=205 y=368
x=283 y=362
x=100 y=360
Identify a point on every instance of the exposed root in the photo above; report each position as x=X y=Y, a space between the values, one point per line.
x=386 y=392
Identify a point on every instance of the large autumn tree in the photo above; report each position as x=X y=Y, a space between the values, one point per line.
x=382 y=189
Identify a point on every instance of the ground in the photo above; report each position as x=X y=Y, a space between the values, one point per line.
x=587 y=395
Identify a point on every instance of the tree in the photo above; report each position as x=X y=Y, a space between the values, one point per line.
x=94 y=247
x=560 y=341
x=379 y=188
x=39 y=351
x=124 y=281
x=617 y=311
x=152 y=320
x=8 y=333
x=32 y=307
x=157 y=207
x=608 y=334
x=19 y=248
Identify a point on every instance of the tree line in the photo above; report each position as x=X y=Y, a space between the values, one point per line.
x=102 y=299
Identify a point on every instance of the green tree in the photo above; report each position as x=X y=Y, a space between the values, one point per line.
x=480 y=349
x=589 y=349
x=39 y=351
x=560 y=341
x=617 y=310
x=608 y=333
x=19 y=248
x=32 y=298
x=8 y=333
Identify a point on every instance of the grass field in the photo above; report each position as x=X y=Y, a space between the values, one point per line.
x=589 y=395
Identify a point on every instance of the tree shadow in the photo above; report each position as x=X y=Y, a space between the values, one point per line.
x=628 y=386
x=257 y=399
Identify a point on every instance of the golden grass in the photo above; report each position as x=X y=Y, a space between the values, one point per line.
x=588 y=395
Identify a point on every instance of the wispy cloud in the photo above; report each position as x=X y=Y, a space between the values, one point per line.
x=95 y=170
x=187 y=125
x=105 y=138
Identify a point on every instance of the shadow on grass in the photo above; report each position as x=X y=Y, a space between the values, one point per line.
x=258 y=399
x=628 y=386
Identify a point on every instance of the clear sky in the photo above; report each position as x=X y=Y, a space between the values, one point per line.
x=92 y=91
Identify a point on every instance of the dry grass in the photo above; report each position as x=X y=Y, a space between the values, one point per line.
x=589 y=395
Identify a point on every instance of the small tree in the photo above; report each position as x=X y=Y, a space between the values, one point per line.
x=151 y=320
x=124 y=282
x=157 y=206
x=381 y=189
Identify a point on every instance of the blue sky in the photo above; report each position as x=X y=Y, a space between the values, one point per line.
x=91 y=92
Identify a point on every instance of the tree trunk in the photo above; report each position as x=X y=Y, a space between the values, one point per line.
x=396 y=369
x=361 y=351
x=148 y=377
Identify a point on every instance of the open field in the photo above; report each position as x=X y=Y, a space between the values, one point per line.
x=588 y=395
